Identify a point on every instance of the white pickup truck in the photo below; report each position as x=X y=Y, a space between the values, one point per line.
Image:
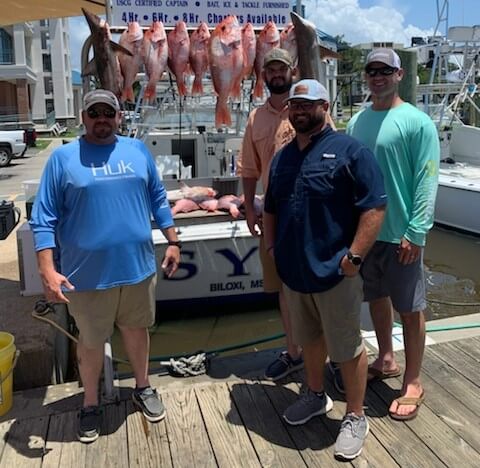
x=12 y=143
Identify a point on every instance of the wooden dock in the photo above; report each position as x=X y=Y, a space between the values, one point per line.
x=236 y=422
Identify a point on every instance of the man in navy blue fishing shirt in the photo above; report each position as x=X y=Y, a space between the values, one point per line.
x=323 y=210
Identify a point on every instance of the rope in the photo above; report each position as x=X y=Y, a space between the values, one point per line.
x=190 y=366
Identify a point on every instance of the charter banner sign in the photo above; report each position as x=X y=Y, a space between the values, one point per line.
x=212 y=12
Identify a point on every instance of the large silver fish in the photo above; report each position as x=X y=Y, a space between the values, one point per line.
x=105 y=63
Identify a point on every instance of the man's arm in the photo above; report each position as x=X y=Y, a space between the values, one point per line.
x=253 y=221
x=172 y=254
x=52 y=280
x=368 y=228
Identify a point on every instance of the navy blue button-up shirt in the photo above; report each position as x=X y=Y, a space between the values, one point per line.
x=317 y=195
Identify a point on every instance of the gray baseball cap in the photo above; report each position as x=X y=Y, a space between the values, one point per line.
x=387 y=56
x=102 y=96
x=278 y=55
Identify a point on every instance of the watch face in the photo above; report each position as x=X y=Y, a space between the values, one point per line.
x=356 y=260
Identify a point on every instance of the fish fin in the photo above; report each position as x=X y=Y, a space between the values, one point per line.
x=150 y=91
x=236 y=90
x=120 y=49
x=197 y=87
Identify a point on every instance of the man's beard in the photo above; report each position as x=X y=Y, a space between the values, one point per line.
x=102 y=131
x=280 y=86
x=308 y=122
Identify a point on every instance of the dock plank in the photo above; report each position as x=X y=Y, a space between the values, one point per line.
x=433 y=431
x=115 y=434
x=451 y=380
x=230 y=441
x=189 y=443
x=62 y=447
x=471 y=346
x=147 y=443
x=463 y=362
x=395 y=436
x=25 y=443
x=449 y=409
x=313 y=440
x=272 y=442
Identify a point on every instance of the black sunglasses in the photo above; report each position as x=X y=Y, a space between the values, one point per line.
x=384 y=71
x=108 y=113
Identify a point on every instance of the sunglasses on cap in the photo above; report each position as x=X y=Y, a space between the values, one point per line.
x=384 y=71
x=108 y=112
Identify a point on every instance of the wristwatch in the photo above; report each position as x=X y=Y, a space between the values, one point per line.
x=354 y=259
x=175 y=243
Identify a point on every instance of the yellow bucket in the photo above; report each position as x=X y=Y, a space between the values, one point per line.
x=8 y=360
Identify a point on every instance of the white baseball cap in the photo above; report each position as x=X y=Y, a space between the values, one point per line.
x=311 y=90
x=387 y=56
x=102 y=96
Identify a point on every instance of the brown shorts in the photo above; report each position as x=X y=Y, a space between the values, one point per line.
x=334 y=313
x=96 y=312
x=271 y=281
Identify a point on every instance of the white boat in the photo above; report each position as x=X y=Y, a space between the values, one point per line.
x=458 y=199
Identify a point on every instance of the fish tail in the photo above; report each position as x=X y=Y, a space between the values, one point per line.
x=150 y=91
x=258 y=91
x=127 y=95
x=197 y=87
x=182 y=89
x=222 y=115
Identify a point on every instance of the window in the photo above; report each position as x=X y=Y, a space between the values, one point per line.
x=45 y=39
x=47 y=62
x=49 y=106
x=48 y=84
x=6 y=47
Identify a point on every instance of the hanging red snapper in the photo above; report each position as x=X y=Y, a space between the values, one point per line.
x=131 y=39
x=199 y=56
x=268 y=39
x=178 y=51
x=226 y=66
x=249 y=42
x=155 y=55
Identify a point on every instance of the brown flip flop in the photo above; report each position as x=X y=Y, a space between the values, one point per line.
x=375 y=374
x=405 y=401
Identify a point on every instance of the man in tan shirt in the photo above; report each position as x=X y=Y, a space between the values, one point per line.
x=268 y=129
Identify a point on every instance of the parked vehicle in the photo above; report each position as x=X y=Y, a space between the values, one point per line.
x=12 y=143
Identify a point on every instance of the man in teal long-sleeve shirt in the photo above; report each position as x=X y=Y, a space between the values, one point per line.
x=405 y=143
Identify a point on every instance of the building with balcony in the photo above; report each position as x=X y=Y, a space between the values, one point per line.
x=35 y=73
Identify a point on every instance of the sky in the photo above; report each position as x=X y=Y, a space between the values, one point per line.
x=357 y=20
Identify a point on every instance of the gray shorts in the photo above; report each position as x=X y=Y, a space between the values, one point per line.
x=96 y=312
x=334 y=313
x=384 y=276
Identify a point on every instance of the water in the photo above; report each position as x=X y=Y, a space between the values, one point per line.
x=453 y=275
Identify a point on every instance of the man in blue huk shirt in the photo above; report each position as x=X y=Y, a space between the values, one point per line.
x=94 y=204
x=324 y=206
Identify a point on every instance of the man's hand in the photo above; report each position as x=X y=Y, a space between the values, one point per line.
x=408 y=252
x=254 y=223
x=171 y=260
x=52 y=286
x=348 y=268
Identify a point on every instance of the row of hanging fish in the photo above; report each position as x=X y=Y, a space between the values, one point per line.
x=230 y=53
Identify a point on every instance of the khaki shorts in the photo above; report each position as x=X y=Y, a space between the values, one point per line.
x=96 y=312
x=271 y=281
x=335 y=314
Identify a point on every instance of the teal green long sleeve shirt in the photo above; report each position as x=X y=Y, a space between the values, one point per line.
x=406 y=146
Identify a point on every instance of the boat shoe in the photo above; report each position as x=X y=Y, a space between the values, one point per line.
x=149 y=403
